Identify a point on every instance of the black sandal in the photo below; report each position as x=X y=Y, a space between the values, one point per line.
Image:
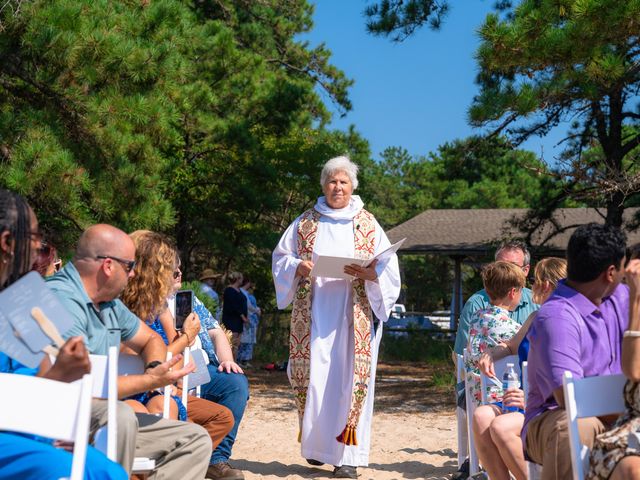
x=345 y=471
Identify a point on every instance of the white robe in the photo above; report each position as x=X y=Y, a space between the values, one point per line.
x=331 y=376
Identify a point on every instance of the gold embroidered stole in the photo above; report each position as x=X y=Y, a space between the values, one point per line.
x=300 y=335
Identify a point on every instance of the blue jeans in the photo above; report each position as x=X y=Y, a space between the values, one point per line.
x=26 y=458
x=232 y=391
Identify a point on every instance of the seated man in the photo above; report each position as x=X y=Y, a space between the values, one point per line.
x=89 y=287
x=228 y=385
x=579 y=329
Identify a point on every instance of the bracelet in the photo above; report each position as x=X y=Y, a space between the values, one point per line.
x=153 y=364
x=631 y=333
x=188 y=339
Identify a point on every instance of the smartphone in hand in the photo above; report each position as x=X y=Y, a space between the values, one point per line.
x=184 y=307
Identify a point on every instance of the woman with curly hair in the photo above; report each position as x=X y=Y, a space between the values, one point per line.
x=146 y=296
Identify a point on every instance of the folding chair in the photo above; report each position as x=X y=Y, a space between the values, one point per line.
x=474 y=466
x=463 y=436
x=589 y=397
x=106 y=369
x=65 y=415
x=499 y=367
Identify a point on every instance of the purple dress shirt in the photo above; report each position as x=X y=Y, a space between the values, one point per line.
x=571 y=333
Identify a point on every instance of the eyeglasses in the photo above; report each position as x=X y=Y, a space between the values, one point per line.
x=127 y=264
x=177 y=273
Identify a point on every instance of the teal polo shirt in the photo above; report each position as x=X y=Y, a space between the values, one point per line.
x=480 y=300
x=102 y=327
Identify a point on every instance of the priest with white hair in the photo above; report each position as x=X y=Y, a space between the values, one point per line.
x=336 y=323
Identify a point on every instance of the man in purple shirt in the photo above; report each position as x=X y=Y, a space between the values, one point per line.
x=579 y=329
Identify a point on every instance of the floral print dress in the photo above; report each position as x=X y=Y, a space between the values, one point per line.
x=622 y=440
x=488 y=327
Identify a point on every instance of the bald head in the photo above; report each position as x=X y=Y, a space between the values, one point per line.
x=103 y=239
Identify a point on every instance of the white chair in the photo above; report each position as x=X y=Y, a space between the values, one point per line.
x=474 y=465
x=106 y=369
x=589 y=397
x=463 y=436
x=134 y=365
x=64 y=416
x=499 y=367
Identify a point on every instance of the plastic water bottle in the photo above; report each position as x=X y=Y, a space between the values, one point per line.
x=510 y=379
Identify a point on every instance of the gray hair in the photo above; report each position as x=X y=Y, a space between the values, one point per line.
x=340 y=164
x=515 y=245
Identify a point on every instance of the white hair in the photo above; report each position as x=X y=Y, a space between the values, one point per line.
x=340 y=164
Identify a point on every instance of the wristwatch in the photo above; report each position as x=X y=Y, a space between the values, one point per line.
x=153 y=364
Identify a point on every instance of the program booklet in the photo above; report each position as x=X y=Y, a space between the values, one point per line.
x=22 y=338
x=333 y=267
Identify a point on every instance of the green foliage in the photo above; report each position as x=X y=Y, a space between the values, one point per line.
x=203 y=120
x=400 y=18
x=417 y=347
x=548 y=62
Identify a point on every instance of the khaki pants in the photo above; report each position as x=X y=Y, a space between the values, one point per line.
x=548 y=442
x=180 y=449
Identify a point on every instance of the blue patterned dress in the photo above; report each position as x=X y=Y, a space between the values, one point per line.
x=144 y=397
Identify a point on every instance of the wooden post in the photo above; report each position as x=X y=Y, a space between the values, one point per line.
x=457 y=289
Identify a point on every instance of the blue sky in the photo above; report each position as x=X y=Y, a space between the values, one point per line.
x=414 y=94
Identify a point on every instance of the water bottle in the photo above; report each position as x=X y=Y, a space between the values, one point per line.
x=510 y=379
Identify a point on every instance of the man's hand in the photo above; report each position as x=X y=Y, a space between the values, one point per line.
x=72 y=362
x=365 y=273
x=230 y=367
x=304 y=268
x=632 y=275
x=162 y=375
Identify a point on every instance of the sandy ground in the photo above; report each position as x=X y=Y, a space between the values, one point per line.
x=414 y=429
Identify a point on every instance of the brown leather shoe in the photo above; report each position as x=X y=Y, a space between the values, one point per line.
x=223 y=471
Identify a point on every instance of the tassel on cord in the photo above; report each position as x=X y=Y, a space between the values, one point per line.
x=348 y=436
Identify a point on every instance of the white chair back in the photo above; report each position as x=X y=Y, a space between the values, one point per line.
x=105 y=372
x=105 y=368
x=499 y=367
x=474 y=465
x=134 y=365
x=463 y=436
x=589 y=397
x=65 y=415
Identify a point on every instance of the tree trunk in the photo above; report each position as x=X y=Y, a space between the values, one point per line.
x=615 y=208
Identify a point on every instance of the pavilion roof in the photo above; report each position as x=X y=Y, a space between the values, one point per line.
x=477 y=231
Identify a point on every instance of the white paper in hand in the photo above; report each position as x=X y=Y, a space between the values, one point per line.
x=333 y=267
x=201 y=375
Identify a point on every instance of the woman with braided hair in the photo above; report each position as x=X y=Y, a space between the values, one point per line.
x=334 y=340
x=22 y=456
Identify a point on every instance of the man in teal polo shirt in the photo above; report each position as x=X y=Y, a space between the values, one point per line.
x=515 y=252
x=89 y=288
